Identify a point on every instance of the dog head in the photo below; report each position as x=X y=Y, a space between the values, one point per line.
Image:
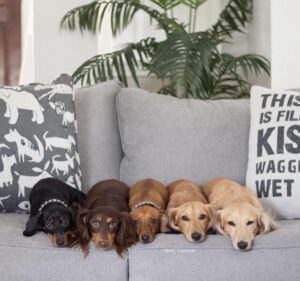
x=192 y=219
x=242 y=222
x=57 y=221
x=147 y=221
x=107 y=227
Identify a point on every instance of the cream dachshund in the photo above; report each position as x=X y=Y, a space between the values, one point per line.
x=188 y=210
x=239 y=214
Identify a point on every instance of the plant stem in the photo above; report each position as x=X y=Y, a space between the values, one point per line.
x=195 y=19
x=190 y=19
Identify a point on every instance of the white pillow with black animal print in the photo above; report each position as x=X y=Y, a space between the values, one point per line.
x=274 y=150
x=37 y=140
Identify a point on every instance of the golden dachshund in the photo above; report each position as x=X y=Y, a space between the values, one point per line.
x=239 y=214
x=188 y=210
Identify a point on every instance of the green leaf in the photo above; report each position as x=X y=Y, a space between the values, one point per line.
x=90 y=17
x=184 y=59
x=234 y=17
x=166 y=4
x=194 y=4
x=124 y=62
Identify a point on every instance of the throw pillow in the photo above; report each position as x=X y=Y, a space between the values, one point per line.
x=167 y=138
x=274 y=150
x=37 y=139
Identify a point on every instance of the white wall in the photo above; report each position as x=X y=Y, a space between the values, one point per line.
x=285 y=44
x=48 y=51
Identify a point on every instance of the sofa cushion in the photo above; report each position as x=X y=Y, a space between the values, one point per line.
x=274 y=257
x=34 y=258
x=169 y=138
x=274 y=149
x=98 y=133
x=37 y=139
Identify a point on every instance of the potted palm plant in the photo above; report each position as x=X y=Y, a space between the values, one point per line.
x=188 y=61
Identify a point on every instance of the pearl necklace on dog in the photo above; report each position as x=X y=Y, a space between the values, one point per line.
x=146 y=202
x=52 y=201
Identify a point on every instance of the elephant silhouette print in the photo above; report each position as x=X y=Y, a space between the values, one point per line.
x=59 y=142
x=62 y=165
x=21 y=100
x=29 y=181
x=59 y=107
x=6 y=177
x=26 y=147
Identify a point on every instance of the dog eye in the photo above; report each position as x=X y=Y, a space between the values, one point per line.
x=250 y=222
x=153 y=221
x=95 y=224
x=231 y=223
x=65 y=223
x=136 y=222
x=185 y=218
x=49 y=225
x=202 y=217
x=112 y=224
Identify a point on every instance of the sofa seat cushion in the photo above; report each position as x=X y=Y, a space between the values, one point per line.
x=35 y=258
x=275 y=256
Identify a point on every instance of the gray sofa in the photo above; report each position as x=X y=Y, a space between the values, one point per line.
x=275 y=256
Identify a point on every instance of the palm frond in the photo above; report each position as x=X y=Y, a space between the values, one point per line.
x=231 y=73
x=166 y=4
x=90 y=17
x=194 y=4
x=185 y=59
x=234 y=17
x=117 y=64
x=246 y=63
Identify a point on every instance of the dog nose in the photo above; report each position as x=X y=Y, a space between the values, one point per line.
x=196 y=236
x=103 y=244
x=242 y=245
x=60 y=243
x=145 y=238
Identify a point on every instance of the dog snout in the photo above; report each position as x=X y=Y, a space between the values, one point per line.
x=145 y=238
x=242 y=245
x=59 y=239
x=196 y=236
x=103 y=244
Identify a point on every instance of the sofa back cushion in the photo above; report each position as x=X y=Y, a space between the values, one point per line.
x=169 y=138
x=98 y=134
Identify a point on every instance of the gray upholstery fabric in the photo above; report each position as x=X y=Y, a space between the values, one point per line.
x=168 y=138
x=98 y=135
x=34 y=258
x=274 y=257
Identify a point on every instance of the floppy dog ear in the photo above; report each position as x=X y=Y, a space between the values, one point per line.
x=266 y=223
x=218 y=224
x=83 y=230
x=164 y=221
x=173 y=220
x=32 y=225
x=126 y=235
x=212 y=216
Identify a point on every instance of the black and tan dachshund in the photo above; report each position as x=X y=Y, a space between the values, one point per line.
x=105 y=218
x=53 y=210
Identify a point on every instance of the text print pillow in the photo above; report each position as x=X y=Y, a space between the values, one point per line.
x=274 y=150
x=37 y=140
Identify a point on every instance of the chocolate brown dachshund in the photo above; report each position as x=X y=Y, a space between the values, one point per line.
x=105 y=218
